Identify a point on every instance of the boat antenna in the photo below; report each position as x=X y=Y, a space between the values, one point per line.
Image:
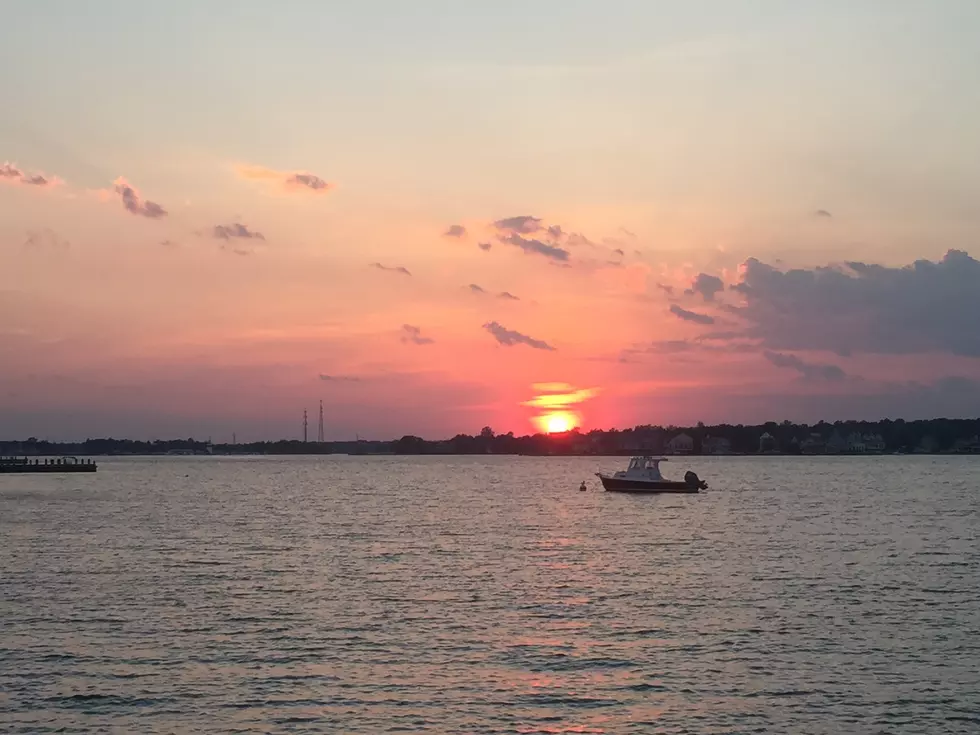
x=319 y=433
x=304 y=426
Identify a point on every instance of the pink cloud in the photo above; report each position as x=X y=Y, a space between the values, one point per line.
x=10 y=173
x=134 y=203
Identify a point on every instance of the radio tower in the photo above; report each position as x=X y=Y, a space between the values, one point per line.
x=319 y=433
x=304 y=426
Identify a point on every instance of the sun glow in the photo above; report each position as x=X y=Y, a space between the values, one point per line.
x=558 y=422
x=555 y=402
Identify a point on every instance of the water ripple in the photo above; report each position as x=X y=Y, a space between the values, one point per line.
x=489 y=596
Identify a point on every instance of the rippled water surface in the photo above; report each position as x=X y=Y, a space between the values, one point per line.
x=489 y=595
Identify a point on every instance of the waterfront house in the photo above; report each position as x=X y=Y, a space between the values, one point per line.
x=680 y=444
x=716 y=445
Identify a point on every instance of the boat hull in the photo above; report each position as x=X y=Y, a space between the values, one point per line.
x=623 y=485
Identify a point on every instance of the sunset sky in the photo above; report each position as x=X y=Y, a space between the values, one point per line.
x=436 y=216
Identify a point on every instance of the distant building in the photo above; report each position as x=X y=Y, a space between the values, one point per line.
x=716 y=445
x=856 y=443
x=680 y=444
x=836 y=443
x=767 y=443
x=874 y=443
x=967 y=446
x=813 y=444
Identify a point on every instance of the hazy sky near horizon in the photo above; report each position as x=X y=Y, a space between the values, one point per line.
x=214 y=215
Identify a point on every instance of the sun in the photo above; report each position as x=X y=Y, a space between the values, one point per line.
x=558 y=423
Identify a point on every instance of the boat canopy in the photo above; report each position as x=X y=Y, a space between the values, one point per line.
x=646 y=463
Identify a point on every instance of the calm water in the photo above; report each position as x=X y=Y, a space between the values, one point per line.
x=488 y=595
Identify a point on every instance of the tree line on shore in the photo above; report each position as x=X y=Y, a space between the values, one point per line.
x=933 y=435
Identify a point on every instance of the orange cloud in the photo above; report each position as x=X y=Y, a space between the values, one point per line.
x=292 y=181
x=555 y=401
x=561 y=400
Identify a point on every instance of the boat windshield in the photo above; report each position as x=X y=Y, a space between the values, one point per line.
x=646 y=465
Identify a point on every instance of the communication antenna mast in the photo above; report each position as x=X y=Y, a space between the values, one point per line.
x=304 y=426
x=319 y=433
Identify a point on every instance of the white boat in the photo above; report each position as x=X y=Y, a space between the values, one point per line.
x=643 y=476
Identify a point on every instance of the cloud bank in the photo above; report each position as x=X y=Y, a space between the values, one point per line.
x=858 y=307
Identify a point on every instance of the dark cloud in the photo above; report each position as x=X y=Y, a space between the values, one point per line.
x=308 y=180
x=669 y=290
x=134 y=203
x=619 y=252
x=301 y=181
x=413 y=335
x=707 y=286
x=507 y=296
x=529 y=245
x=168 y=243
x=35 y=180
x=476 y=289
x=455 y=231
x=12 y=173
x=924 y=307
x=339 y=378
x=485 y=245
x=822 y=213
x=524 y=224
x=392 y=268
x=236 y=230
x=555 y=231
x=509 y=337
x=810 y=371
x=691 y=316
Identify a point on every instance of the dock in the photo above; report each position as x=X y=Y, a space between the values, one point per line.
x=48 y=465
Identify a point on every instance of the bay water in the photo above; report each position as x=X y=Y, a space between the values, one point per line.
x=489 y=595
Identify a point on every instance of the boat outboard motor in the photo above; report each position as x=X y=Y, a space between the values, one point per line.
x=692 y=480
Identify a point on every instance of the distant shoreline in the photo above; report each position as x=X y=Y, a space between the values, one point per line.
x=840 y=439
